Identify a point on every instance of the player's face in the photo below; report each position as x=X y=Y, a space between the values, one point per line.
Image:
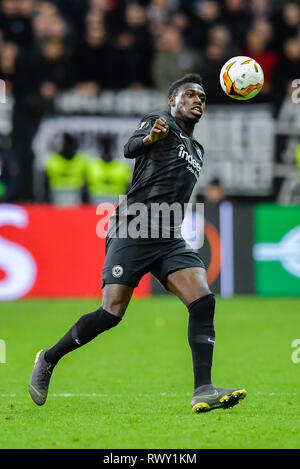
x=189 y=102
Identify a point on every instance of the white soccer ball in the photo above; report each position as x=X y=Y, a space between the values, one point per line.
x=241 y=78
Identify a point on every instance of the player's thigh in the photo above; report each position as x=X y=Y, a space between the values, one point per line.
x=188 y=284
x=116 y=298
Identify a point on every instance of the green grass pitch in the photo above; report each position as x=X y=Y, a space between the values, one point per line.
x=131 y=387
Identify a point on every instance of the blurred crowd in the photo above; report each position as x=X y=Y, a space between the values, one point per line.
x=47 y=47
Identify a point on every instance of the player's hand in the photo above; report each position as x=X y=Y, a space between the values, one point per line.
x=159 y=131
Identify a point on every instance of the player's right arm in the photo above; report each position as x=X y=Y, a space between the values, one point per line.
x=142 y=137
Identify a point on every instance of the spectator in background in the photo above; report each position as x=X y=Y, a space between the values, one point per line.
x=180 y=20
x=65 y=172
x=288 y=129
x=38 y=77
x=107 y=177
x=286 y=71
x=288 y=122
x=91 y=59
x=159 y=11
x=93 y=20
x=288 y=145
x=264 y=27
x=136 y=24
x=45 y=63
x=122 y=71
x=8 y=55
x=101 y=6
x=286 y=23
x=72 y=10
x=214 y=193
x=9 y=165
x=50 y=68
x=220 y=34
x=297 y=158
x=48 y=22
x=203 y=16
x=211 y=61
x=27 y=8
x=257 y=49
x=112 y=12
x=237 y=17
x=260 y=9
x=15 y=21
x=172 y=59
x=132 y=52
x=114 y=48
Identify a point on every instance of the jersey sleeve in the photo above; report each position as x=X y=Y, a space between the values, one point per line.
x=135 y=147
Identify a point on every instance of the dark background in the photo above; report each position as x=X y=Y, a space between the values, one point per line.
x=91 y=46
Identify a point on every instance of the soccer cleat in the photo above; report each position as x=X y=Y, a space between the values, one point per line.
x=40 y=378
x=208 y=397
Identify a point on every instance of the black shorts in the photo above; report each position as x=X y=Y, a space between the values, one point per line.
x=127 y=260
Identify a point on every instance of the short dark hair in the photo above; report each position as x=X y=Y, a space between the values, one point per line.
x=189 y=78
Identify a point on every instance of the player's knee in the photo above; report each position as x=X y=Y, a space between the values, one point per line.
x=116 y=298
x=115 y=306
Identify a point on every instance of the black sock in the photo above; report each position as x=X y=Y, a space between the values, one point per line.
x=201 y=336
x=85 y=330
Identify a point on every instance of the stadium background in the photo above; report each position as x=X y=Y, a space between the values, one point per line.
x=77 y=75
x=88 y=70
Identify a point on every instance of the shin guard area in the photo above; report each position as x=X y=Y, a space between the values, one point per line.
x=86 y=329
x=201 y=336
x=92 y=324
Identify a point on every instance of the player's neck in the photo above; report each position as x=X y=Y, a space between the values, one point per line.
x=187 y=126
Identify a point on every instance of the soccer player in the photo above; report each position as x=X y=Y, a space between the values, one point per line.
x=168 y=163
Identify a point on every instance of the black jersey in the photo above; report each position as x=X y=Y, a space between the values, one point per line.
x=165 y=171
